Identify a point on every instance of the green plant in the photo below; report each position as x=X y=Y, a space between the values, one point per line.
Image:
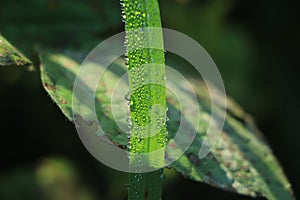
x=252 y=170
x=145 y=95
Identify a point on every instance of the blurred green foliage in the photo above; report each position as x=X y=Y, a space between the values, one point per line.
x=255 y=45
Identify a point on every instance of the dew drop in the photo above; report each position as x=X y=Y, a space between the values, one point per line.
x=162 y=176
x=167 y=119
x=127 y=96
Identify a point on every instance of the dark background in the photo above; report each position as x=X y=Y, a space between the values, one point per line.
x=254 y=43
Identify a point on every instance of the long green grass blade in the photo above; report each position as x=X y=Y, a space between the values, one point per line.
x=147 y=95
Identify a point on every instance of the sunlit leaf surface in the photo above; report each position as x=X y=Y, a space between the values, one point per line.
x=9 y=55
x=241 y=161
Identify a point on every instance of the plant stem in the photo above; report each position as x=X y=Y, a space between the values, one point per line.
x=146 y=185
x=147 y=97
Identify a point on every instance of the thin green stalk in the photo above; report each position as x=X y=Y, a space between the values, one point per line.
x=146 y=185
x=147 y=97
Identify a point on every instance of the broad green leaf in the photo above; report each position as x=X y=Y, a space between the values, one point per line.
x=58 y=75
x=79 y=24
x=241 y=161
x=9 y=55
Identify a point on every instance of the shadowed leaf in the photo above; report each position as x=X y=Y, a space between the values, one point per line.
x=241 y=161
x=9 y=55
x=58 y=75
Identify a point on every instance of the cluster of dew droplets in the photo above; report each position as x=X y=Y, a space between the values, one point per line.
x=159 y=124
x=140 y=101
x=126 y=58
x=128 y=119
x=138 y=178
x=129 y=102
x=123 y=10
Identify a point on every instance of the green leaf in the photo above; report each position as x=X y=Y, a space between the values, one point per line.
x=79 y=24
x=9 y=55
x=147 y=93
x=241 y=161
x=58 y=74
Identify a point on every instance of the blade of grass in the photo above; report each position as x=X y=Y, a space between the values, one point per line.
x=147 y=96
